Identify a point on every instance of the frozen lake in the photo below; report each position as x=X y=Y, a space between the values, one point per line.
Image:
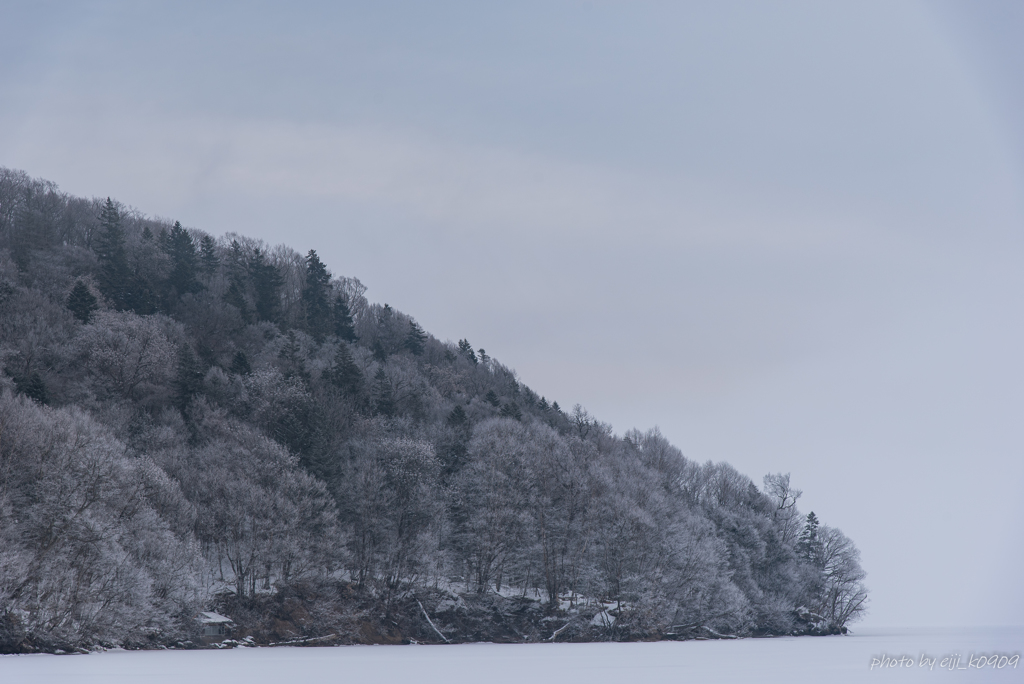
x=799 y=659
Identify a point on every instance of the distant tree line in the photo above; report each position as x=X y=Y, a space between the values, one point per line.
x=183 y=416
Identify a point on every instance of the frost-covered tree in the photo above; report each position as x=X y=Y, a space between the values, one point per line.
x=844 y=597
x=492 y=507
x=128 y=356
x=784 y=498
x=391 y=504
x=92 y=545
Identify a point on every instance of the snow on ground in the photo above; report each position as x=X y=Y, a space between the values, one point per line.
x=835 y=660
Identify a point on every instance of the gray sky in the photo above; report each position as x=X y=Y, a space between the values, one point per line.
x=789 y=234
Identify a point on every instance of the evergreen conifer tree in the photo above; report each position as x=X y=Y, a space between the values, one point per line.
x=292 y=364
x=208 y=259
x=315 y=297
x=114 y=277
x=266 y=281
x=240 y=364
x=32 y=386
x=344 y=327
x=237 y=281
x=188 y=378
x=492 y=399
x=81 y=302
x=384 y=396
x=511 y=410
x=184 y=262
x=457 y=419
x=415 y=340
x=808 y=546
x=456 y=453
x=466 y=349
x=345 y=374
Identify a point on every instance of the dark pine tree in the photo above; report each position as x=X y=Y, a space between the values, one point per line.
x=238 y=277
x=344 y=328
x=81 y=302
x=188 y=379
x=458 y=420
x=184 y=263
x=266 y=281
x=808 y=546
x=209 y=262
x=511 y=410
x=114 y=277
x=454 y=454
x=240 y=364
x=316 y=297
x=383 y=395
x=291 y=359
x=415 y=339
x=380 y=354
x=466 y=349
x=345 y=374
x=32 y=386
x=144 y=298
x=492 y=399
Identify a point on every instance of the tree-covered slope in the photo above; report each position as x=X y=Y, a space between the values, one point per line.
x=189 y=422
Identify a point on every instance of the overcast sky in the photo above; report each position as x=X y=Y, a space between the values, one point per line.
x=788 y=234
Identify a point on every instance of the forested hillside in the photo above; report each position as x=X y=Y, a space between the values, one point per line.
x=191 y=423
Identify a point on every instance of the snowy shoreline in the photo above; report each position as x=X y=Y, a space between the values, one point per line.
x=791 y=659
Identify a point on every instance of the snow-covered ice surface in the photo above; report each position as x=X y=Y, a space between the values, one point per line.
x=800 y=659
